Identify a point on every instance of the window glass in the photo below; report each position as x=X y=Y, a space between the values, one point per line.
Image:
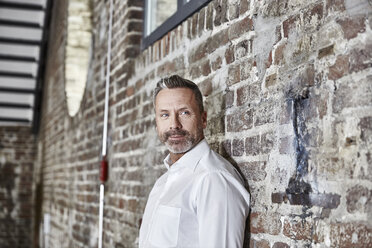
x=161 y=16
x=158 y=12
x=77 y=52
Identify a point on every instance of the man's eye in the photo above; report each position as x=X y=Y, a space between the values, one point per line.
x=185 y=112
x=164 y=115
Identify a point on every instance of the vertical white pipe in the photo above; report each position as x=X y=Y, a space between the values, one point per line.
x=101 y=201
x=105 y=118
x=104 y=136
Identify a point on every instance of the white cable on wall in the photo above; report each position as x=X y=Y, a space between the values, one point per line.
x=105 y=118
x=104 y=136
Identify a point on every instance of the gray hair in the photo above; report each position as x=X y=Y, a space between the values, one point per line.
x=176 y=81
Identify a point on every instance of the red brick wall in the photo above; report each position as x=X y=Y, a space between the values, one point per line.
x=288 y=94
x=17 y=154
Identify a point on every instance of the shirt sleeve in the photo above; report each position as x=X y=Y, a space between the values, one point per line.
x=222 y=206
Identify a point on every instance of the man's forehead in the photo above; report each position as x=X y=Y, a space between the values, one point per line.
x=182 y=96
x=182 y=93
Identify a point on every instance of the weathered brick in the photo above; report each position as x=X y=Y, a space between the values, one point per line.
x=229 y=99
x=179 y=63
x=259 y=243
x=352 y=95
x=198 y=53
x=216 y=125
x=279 y=55
x=209 y=46
x=275 y=8
x=339 y=68
x=239 y=121
x=252 y=145
x=280 y=245
x=206 y=87
x=278 y=34
x=226 y=146
x=265 y=223
x=220 y=8
x=209 y=17
x=241 y=49
x=195 y=71
x=217 y=40
x=233 y=11
x=279 y=197
x=325 y=51
x=335 y=5
x=255 y=171
x=229 y=55
x=244 y=6
x=135 y=3
x=205 y=68
x=242 y=95
x=270 y=80
x=264 y=115
x=360 y=58
x=194 y=28
x=216 y=64
x=269 y=60
x=350 y=235
x=201 y=21
x=358 y=198
x=241 y=27
x=351 y=27
x=238 y=147
x=289 y=25
x=315 y=12
x=365 y=125
x=17 y=154
x=308 y=199
x=245 y=69
x=298 y=229
x=234 y=74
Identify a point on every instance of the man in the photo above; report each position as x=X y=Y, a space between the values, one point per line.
x=200 y=201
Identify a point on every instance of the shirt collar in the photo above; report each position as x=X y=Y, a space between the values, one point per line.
x=191 y=158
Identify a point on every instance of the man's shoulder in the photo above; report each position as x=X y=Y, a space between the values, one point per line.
x=213 y=162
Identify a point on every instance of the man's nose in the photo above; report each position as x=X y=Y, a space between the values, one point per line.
x=175 y=122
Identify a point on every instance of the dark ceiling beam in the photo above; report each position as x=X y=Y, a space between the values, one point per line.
x=19 y=41
x=26 y=6
x=15 y=105
x=16 y=74
x=20 y=23
x=17 y=90
x=9 y=119
x=41 y=69
x=17 y=58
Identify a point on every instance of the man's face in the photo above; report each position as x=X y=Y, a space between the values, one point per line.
x=178 y=119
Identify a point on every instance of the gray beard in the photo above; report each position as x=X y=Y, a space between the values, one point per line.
x=180 y=148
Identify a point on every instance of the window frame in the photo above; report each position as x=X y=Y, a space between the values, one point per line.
x=184 y=10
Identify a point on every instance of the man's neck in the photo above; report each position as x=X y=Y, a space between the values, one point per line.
x=174 y=157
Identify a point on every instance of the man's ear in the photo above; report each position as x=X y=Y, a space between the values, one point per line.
x=204 y=119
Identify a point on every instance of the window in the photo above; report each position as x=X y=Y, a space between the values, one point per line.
x=77 y=53
x=161 y=16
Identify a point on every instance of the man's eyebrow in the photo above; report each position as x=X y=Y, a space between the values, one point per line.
x=182 y=108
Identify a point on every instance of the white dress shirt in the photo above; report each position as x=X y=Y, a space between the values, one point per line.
x=199 y=202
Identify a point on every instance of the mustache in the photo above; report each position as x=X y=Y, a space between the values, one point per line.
x=175 y=132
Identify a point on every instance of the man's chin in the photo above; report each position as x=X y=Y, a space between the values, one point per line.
x=178 y=148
